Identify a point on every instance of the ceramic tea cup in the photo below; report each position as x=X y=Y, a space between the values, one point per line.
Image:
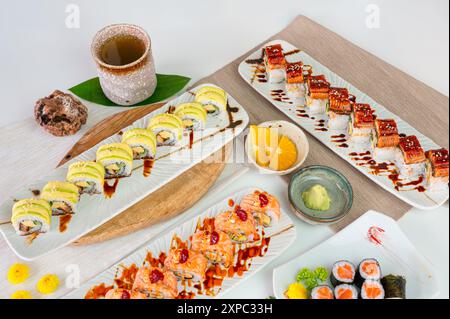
x=130 y=83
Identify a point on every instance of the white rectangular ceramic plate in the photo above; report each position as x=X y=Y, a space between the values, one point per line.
x=409 y=194
x=396 y=256
x=93 y=211
x=283 y=233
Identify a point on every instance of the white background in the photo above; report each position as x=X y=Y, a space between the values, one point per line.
x=38 y=54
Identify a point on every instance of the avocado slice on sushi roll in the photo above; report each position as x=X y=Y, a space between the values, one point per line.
x=168 y=129
x=213 y=103
x=62 y=196
x=142 y=142
x=193 y=115
x=209 y=88
x=31 y=216
x=88 y=176
x=116 y=158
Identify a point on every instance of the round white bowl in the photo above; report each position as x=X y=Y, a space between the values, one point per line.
x=294 y=133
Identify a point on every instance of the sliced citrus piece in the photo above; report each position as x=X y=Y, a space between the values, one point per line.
x=284 y=156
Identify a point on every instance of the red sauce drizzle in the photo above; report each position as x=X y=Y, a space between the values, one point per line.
x=245 y=254
x=126 y=279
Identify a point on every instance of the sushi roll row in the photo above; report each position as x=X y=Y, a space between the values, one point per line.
x=115 y=160
x=216 y=246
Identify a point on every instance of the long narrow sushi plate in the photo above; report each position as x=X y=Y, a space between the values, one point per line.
x=93 y=211
x=412 y=193
x=281 y=235
x=395 y=253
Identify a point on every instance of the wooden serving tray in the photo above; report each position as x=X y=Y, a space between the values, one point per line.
x=167 y=202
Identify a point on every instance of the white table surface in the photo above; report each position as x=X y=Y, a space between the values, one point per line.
x=39 y=54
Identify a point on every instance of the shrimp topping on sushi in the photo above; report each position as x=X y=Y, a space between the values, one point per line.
x=264 y=207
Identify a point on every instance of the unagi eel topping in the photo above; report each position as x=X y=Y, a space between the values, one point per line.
x=339 y=101
x=274 y=55
x=294 y=72
x=363 y=116
x=412 y=150
x=387 y=133
x=439 y=162
x=318 y=87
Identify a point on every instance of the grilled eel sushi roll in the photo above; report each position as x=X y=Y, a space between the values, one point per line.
x=339 y=109
x=317 y=94
x=295 y=82
x=275 y=63
x=187 y=264
x=384 y=140
x=437 y=169
x=116 y=158
x=264 y=207
x=62 y=196
x=238 y=224
x=168 y=129
x=142 y=143
x=193 y=115
x=88 y=176
x=362 y=122
x=410 y=157
x=155 y=283
x=216 y=246
x=31 y=216
x=212 y=98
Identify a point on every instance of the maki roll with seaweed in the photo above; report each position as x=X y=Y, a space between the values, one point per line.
x=142 y=143
x=212 y=99
x=116 y=158
x=168 y=129
x=322 y=292
x=343 y=272
x=368 y=269
x=394 y=287
x=62 y=196
x=31 y=216
x=372 y=289
x=87 y=176
x=345 y=291
x=193 y=115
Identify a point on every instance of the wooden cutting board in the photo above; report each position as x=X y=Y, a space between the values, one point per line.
x=422 y=107
x=165 y=203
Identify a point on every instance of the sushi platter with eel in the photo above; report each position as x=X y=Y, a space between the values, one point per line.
x=121 y=170
x=375 y=141
x=203 y=257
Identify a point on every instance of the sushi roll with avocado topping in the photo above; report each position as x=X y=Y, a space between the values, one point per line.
x=116 y=158
x=31 y=216
x=213 y=99
x=368 y=269
x=343 y=272
x=193 y=115
x=88 y=176
x=372 y=289
x=62 y=196
x=142 y=143
x=345 y=291
x=168 y=129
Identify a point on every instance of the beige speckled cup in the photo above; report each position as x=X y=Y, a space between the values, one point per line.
x=125 y=84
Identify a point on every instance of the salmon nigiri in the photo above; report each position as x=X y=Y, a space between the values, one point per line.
x=264 y=207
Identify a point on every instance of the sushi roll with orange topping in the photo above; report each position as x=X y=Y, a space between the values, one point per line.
x=362 y=122
x=345 y=291
x=322 y=292
x=187 y=264
x=385 y=140
x=343 y=272
x=155 y=283
x=317 y=94
x=339 y=109
x=368 y=269
x=295 y=82
x=437 y=169
x=410 y=157
x=275 y=63
x=264 y=207
x=239 y=224
x=372 y=289
x=216 y=246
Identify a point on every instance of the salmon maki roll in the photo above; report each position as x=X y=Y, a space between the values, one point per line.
x=437 y=169
x=216 y=246
x=155 y=283
x=187 y=264
x=118 y=293
x=372 y=289
x=345 y=291
x=264 y=207
x=385 y=139
x=410 y=157
x=239 y=224
x=343 y=272
x=322 y=292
